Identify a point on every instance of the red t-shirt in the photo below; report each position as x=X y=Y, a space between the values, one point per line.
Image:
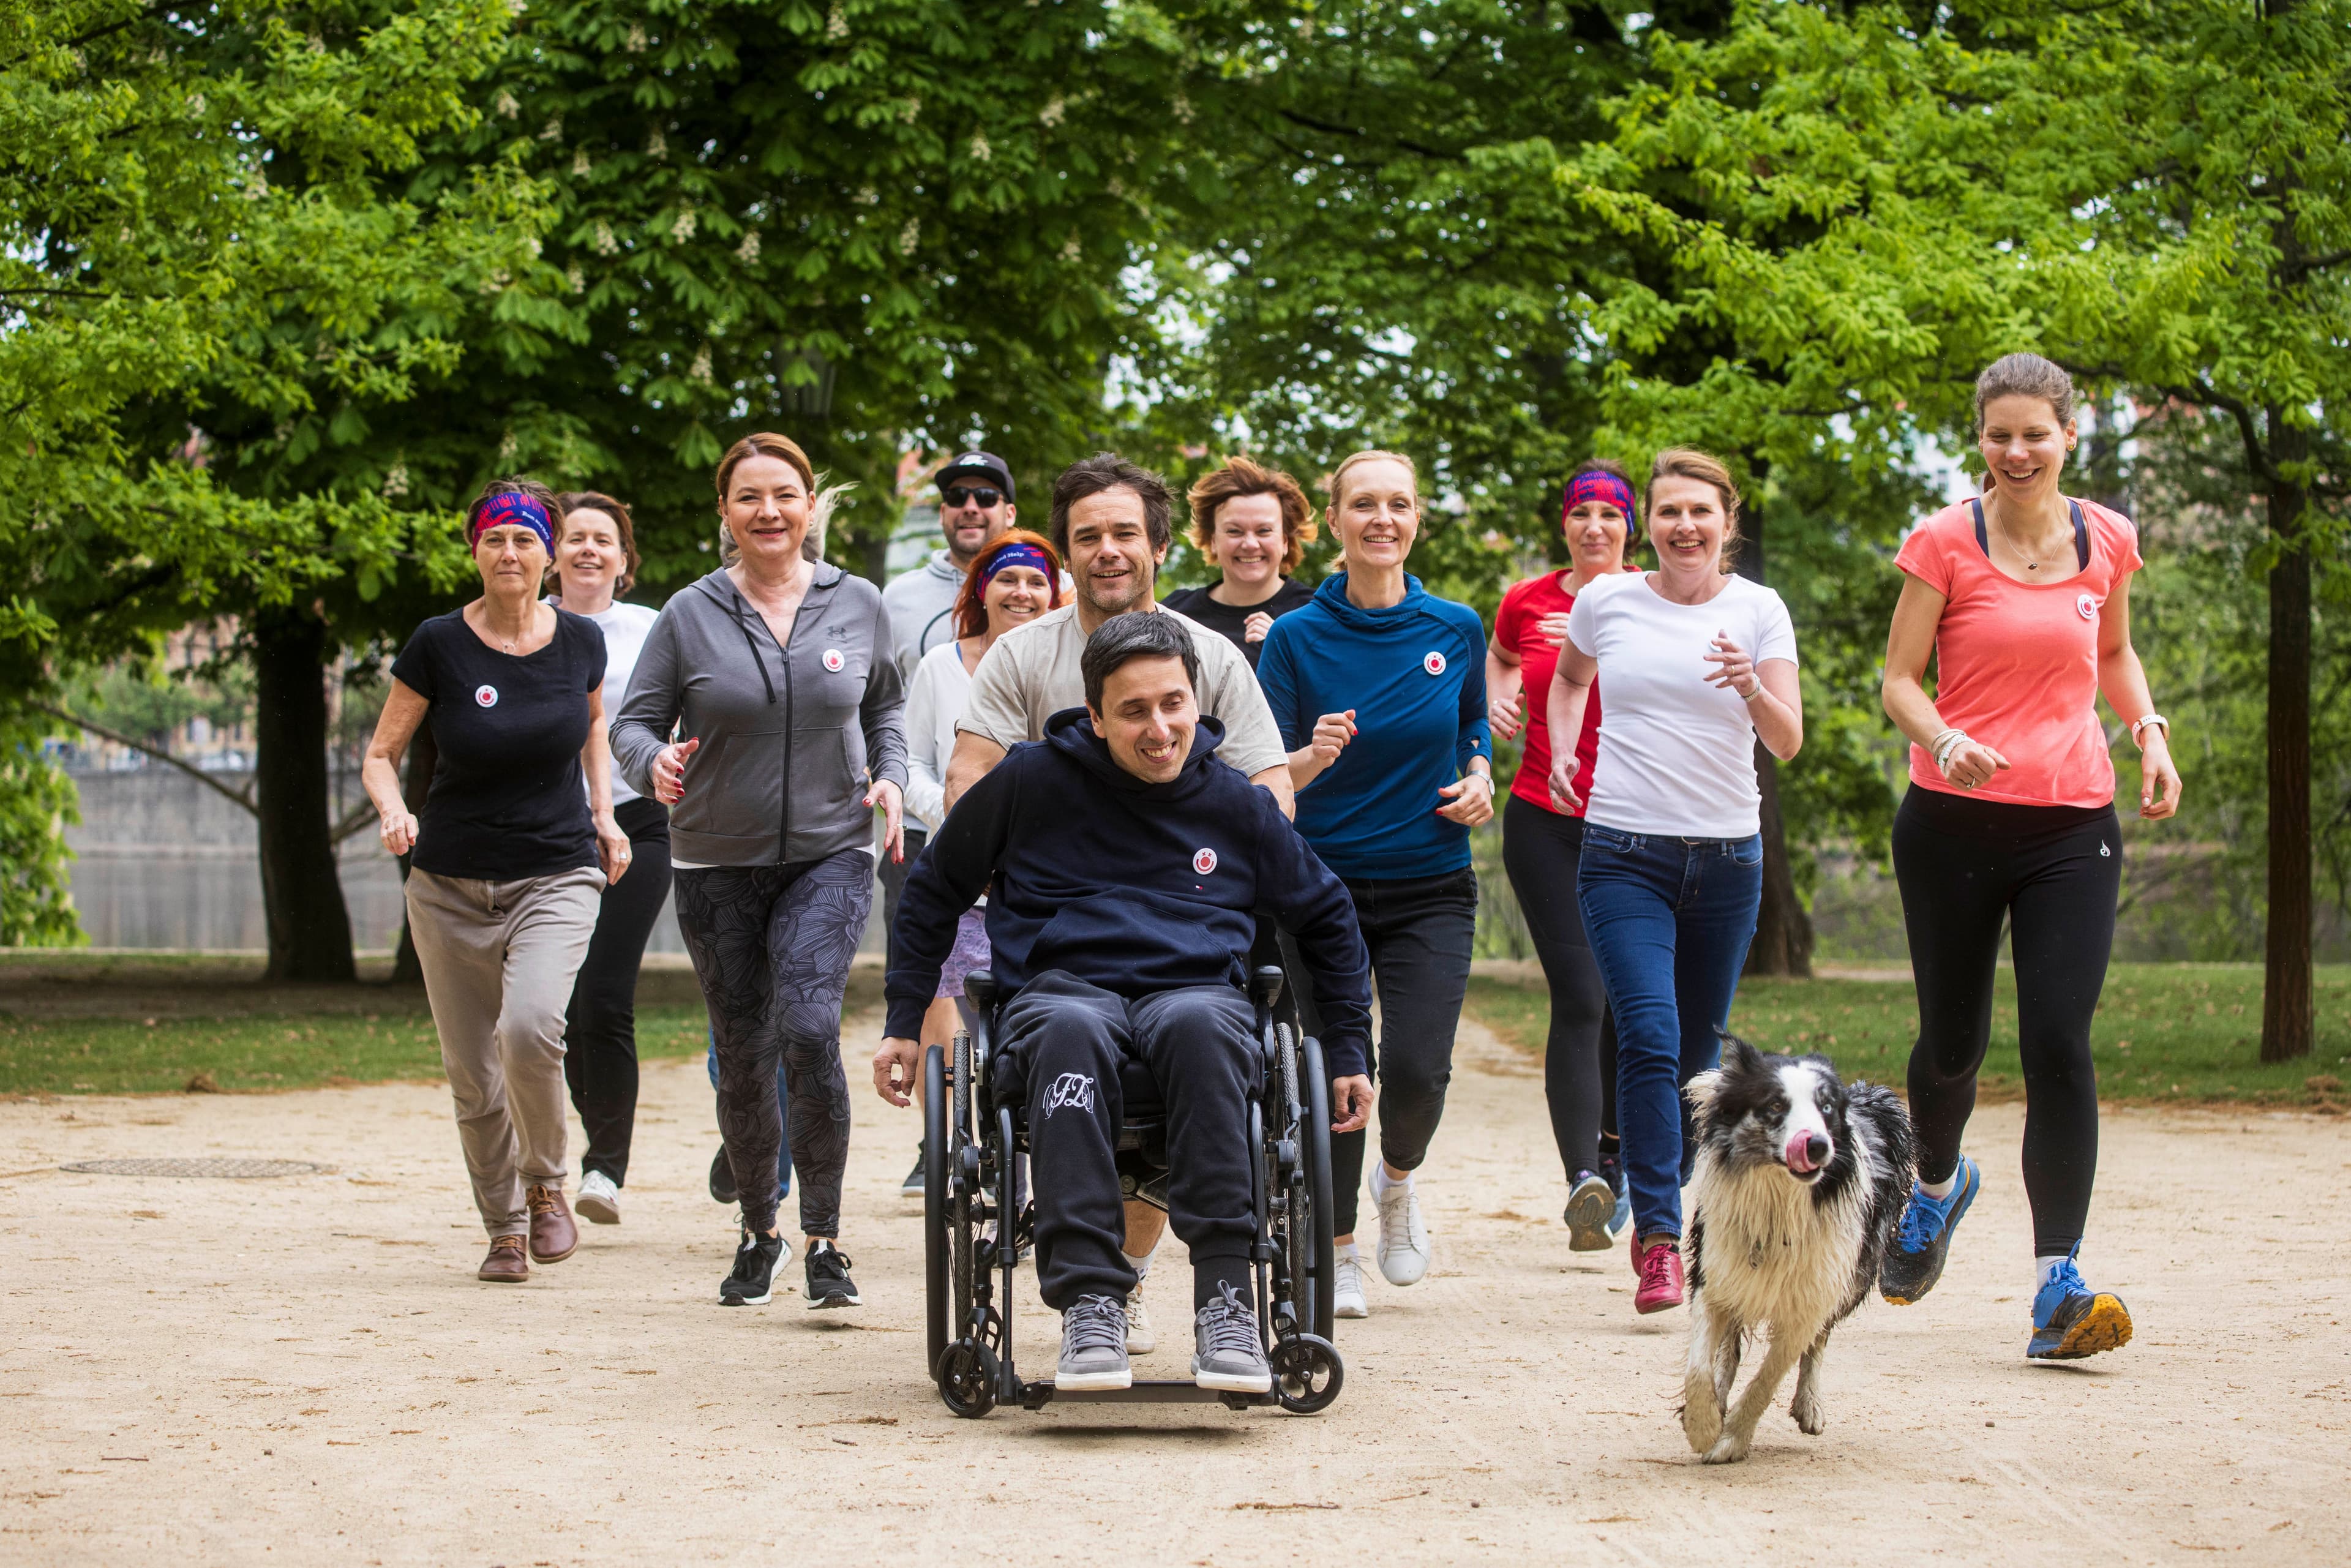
x=2016 y=663
x=1518 y=627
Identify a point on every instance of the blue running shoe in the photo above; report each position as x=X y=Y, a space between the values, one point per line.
x=1914 y=1261
x=1589 y=1208
x=2071 y=1321
x=1612 y=1168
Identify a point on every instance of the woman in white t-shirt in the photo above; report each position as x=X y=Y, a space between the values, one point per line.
x=595 y=559
x=1698 y=665
x=1012 y=582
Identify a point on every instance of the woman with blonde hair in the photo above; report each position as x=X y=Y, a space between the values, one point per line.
x=1253 y=525
x=777 y=673
x=1699 y=666
x=1380 y=688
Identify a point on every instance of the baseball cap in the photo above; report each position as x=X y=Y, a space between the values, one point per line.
x=984 y=465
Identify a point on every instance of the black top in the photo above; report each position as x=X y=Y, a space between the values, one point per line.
x=507 y=799
x=1231 y=621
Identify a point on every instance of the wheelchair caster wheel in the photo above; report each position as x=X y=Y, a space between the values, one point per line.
x=966 y=1378
x=1307 y=1374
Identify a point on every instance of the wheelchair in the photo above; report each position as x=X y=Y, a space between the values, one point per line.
x=976 y=1217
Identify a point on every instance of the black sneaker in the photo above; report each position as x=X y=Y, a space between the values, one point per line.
x=722 y=1178
x=914 y=1181
x=828 y=1284
x=753 y=1283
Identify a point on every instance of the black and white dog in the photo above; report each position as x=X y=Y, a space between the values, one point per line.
x=1801 y=1180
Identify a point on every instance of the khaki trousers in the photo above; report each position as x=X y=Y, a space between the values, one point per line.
x=499 y=958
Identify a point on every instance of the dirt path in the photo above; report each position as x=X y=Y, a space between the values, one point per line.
x=305 y=1371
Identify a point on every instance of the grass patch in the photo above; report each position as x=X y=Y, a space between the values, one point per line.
x=2166 y=1033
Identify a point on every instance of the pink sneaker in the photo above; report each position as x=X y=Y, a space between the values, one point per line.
x=1661 y=1279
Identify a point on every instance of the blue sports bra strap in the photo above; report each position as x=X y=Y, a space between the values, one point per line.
x=1984 y=539
x=2081 y=537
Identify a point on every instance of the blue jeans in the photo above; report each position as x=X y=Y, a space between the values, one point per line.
x=783 y=1109
x=1670 y=920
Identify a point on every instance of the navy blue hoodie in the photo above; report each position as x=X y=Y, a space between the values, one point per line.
x=1132 y=887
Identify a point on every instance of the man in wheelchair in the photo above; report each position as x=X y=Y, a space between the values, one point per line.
x=1122 y=863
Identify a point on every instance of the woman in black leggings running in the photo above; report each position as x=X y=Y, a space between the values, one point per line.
x=776 y=672
x=1541 y=847
x=2023 y=599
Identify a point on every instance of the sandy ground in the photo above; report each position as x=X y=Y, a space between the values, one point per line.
x=304 y=1370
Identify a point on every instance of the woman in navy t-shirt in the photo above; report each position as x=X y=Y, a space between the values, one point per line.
x=508 y=859
x=1381 y=689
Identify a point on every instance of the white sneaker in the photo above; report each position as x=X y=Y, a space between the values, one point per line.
x=599 y=1199
x=1404 y=1238
x=1347 y=1287
x=1141 y=1339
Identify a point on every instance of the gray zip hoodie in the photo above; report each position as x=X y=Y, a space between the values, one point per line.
x=790 y=736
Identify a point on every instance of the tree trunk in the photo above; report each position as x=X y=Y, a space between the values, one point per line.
x=423 y=756
x=1783 y=927
x=2289 y=1006
x=301 y=892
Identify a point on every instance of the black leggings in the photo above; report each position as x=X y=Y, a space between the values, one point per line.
x=2054 y=872
x=600 y=1038
x=771 y=946
x=1541 y=850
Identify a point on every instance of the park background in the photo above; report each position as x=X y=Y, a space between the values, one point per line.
x=283 y=284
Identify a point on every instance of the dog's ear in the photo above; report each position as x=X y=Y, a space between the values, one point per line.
x=1700 y=1092
x=1742 y=1057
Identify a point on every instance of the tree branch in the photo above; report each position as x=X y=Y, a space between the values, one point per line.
x=157 y=752
x=360 y=815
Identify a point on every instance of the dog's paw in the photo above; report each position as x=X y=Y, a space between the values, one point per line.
x=1811 y=1418
x=1729 y=1449
x=1701 y=1415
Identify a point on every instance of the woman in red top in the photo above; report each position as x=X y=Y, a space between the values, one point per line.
x=1542 y=846
x=2023 y=599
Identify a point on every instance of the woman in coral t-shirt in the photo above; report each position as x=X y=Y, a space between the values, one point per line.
x=2023 y=599
x=1542 y=845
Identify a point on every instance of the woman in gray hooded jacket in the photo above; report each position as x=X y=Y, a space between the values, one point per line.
x=775 y=673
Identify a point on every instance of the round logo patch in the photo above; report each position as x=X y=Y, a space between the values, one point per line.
x=487 y=696
x=833 y=661
x=1205 y=861
x=2087 y=605
x=1433 y=663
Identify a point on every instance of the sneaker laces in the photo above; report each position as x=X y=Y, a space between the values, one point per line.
x=1395 y=1220
x=831 y=1260
x=1230 y=1325
x=1922 y=1219
x=1655 y=1272
x=1096 y=1323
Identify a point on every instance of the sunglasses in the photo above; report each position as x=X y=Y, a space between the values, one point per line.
x=960 y=497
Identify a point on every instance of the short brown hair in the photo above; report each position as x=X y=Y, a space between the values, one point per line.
x=1108 y=471
x=1239 y=476
x=571 y=501
x=765 y=443
x=970 y=602
x=1689 y=463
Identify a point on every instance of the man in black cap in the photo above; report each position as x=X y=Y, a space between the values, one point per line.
x=974 y=507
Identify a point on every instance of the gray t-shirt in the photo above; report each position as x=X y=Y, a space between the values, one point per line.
x=921 y=610
x=1032 y=672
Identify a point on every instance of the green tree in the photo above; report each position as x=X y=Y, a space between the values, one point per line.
x=1869 y=203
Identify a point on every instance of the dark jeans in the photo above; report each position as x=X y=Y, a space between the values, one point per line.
x=771 y=946
x=600 y=1036
x=1670 y=920
x=2052 y=874
x=1541 y=850
x=783 y=1116
x=1420 y=932
x=893 y=883
x=1065 y=1042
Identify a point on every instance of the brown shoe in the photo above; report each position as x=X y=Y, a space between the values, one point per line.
x=505 y=1265
x=554 y=1234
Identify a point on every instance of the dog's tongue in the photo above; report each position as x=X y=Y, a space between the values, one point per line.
x=1800 y=1155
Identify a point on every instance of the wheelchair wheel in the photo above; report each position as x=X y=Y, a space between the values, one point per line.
x=936 y=1241
x=964 y=1184
x=1307 y=1374
x=966 y=1379
x=1322 y=1202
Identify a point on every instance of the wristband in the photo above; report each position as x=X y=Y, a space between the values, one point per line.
x=2143 y=721
x=1751 y=693
x=1948 y=742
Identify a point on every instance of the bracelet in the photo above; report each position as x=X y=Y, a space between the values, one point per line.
x=1751 y=693
x=1946 y=743
x=2143 y=721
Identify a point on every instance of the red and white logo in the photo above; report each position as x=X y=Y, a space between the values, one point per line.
x=833 y=661
x=2087 y=605
x=486 y=695
x=1433 y=663
x=1205 y=861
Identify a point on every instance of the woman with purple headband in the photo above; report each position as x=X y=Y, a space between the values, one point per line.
x=1544 y=845
x=508 y=858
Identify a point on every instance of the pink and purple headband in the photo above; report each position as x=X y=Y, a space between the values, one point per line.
x=1017 y=553
x=511 y=508
x=1598 y=485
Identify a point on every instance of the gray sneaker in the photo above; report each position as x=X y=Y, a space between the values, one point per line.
x=1231 y=1356
x=1093 y=1347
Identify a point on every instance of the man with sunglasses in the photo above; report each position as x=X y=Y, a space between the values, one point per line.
x=975 y=508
